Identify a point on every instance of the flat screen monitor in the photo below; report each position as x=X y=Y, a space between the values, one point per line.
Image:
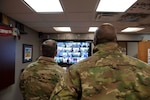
x=72 y=51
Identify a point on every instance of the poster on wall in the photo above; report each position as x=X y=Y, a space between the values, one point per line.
x=27 y=53
x=148 y=56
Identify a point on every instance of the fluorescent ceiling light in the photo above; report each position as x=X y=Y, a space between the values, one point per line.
x=45 y=5
x=114 y=5
x=93 y=29
x=132 y=29
x=63 y=29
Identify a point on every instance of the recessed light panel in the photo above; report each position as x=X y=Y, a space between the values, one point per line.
x=114 y=5
x=92 y=29
x=132 y=29
x=45 y=5
x=63 y=29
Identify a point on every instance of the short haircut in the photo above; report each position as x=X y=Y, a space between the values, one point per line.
x=105 y=33
x=49 y=48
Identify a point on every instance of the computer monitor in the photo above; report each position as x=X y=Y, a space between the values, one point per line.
x=72 y=51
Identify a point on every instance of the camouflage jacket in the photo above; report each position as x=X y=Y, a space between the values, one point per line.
x=107 y=75
x=39 y=78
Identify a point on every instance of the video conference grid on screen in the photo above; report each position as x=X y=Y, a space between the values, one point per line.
x=71 y=52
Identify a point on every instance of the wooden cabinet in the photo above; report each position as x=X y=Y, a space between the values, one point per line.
x=143 y=50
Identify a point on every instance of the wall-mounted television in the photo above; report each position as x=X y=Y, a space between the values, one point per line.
x=72 y=51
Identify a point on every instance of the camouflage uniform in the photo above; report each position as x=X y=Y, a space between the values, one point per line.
x=39 y=79
x=107 y=75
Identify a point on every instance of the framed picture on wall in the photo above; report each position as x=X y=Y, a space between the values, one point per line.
x=27 y=53
x=123 y=46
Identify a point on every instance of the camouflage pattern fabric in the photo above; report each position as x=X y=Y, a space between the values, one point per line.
x=39 y=79
x=107 y=75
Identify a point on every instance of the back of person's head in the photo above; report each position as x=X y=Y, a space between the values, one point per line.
x=49 y=48
x=105 y=33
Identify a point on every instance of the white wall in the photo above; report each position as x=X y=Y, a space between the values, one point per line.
x=132 y=49
x=12 y=92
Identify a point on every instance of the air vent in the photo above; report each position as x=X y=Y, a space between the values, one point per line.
x=104 y=16
x=142 y=5
x=132 y=17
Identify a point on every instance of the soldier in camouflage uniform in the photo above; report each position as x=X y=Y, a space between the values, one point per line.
x=107 y=75
x=39 y=78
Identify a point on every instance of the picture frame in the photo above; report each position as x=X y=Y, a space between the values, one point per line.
x=123 y=46
x=27 y=53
